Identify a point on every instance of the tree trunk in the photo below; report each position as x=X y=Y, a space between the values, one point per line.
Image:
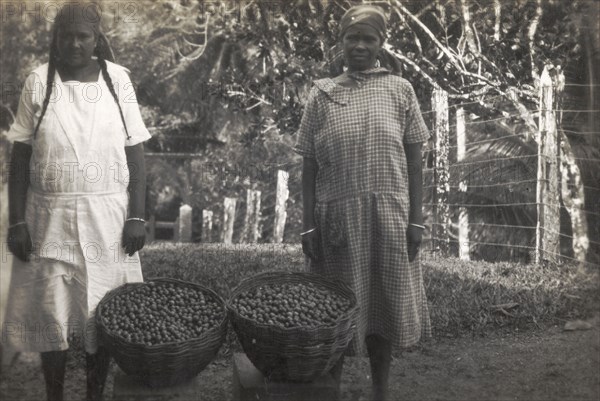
x=441 y=225
x=531 y=37
x=547 y=191
x=497 y=20
x=573 y=198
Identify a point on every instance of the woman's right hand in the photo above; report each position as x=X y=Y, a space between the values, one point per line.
x=19 y=242
x=310 y=245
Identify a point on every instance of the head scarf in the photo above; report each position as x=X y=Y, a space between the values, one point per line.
x=365 y=14
x=90 y=14
x=374 y=17
x=79 y=13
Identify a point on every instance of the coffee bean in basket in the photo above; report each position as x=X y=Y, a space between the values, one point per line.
x=159 y=313
x=291 y=305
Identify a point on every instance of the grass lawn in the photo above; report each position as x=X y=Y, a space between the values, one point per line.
x=464 y=297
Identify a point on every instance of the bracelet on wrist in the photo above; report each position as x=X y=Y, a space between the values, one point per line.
x=417 y=225
x=308 y=231
x=136 y=219
x=19 y=223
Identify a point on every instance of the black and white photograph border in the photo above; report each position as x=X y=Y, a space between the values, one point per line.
x=393 y=200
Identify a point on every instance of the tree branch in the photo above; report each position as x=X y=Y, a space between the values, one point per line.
x=468 y=31
x=414 y=65
x=398 y=5
x=498 y=17
x=531 y=36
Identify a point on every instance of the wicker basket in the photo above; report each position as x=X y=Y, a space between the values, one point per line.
x=298 y=354
x=163 y=364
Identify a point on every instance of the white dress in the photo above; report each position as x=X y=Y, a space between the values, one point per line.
x=76 y=208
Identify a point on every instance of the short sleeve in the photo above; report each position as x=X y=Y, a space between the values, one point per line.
x=136 y=128
x=416 y=130
x=305 y=145
x=22 y=128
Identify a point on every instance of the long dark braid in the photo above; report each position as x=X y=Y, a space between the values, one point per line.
x=104 y=52
x=49 y=82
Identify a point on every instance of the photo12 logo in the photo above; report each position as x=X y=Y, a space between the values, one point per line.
x=70 y=172
x=33 y=332
x=46 y=11
x=74 y=252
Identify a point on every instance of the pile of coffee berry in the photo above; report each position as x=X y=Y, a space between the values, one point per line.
x=160 y=312
x=291 y=305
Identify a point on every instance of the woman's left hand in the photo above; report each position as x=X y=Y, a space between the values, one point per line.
x=134 y=236
x=414 y=236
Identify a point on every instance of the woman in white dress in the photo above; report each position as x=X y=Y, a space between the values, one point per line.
x=76 y=201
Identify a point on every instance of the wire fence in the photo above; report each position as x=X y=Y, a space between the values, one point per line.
x=492 y=190
x=493 y=194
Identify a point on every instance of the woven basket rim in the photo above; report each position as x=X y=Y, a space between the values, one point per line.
x=128 y=287
x=275 y=274
x=279 y=274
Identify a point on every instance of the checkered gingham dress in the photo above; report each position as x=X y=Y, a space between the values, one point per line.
x=356 y=136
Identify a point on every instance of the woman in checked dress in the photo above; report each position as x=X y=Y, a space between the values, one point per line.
x=77 y=187
x=360 y=138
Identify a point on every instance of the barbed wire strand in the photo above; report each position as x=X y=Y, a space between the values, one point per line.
x=459 y=164
x=587 y=85
x=592 y=159
x=484 y=243
x=489 y=140
x=467 y=103
x=516 y=226
x=501 y=225
x=568 y=258
x=499 y=184
x=572 y=111
x=490 y=120
x=581 y=132
x=465 y=205
x=584 y=186
x=517 y=246
x=477 y=101
x=566 y=235
x=493 y=205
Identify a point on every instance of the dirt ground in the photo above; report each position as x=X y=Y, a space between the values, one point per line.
x=545 y=365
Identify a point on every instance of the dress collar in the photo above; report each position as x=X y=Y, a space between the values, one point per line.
x=339 y=93
x=365 y=73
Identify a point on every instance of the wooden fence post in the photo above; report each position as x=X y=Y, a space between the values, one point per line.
x=185 y=223
x=463 y=216
x=547 y=194
x=250 y=232
x=282 y=194
x=207 y=216
x=441 y=213
x=228 y=220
